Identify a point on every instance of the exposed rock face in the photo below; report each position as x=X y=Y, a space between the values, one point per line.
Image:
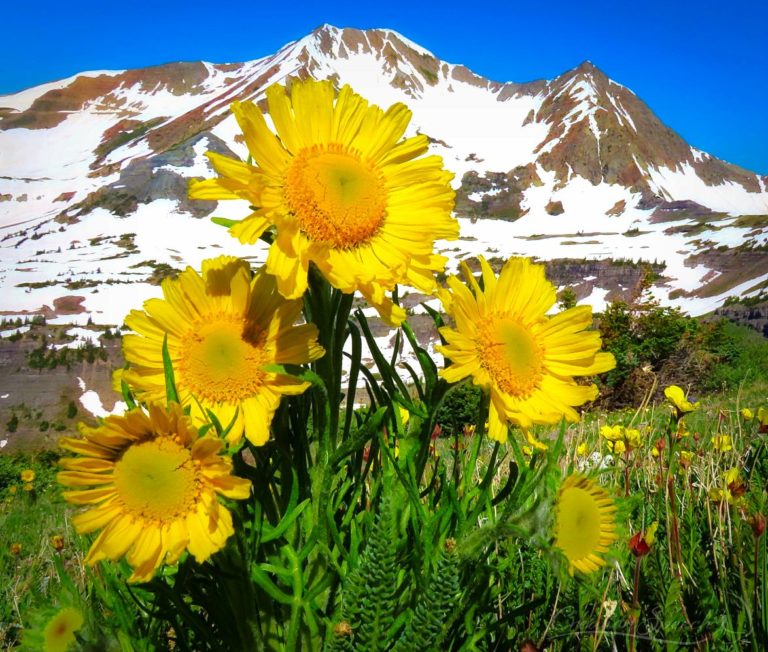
x=622 y=279
x=603 y=132
x=101 y=92
x=755 y=316
x=39 y=397
x=144 y=180
x=495 y=194
x=554 y=208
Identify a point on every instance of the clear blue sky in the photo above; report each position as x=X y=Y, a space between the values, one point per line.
x=701 y=66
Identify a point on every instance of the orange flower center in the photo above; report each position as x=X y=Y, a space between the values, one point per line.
x=511 y=355
x=157 y=480
x=338 y=198
x=220 y=362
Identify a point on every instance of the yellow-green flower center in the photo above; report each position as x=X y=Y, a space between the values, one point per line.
x=157 y=480
x=579 y=524
x=220 y=362
x=511 y=355
x=60 y=631
x=337 y=198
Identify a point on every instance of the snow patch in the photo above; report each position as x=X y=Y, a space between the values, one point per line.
x=91 y=401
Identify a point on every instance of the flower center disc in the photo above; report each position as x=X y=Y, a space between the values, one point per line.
x=156 y=479
x=510 y=354
x=579 y=524
x=219 y=364
x=337 y=198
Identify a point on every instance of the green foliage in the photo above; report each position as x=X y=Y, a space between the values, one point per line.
x=428 y=626
x=702 y=355
x=370 y=601
x=47 y=357
x=460 y=408
x=566 y=298
x=640 y=335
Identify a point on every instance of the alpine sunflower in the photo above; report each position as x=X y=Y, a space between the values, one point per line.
x=504 y=340
x=59 y=633
x=584 y=523
x=53 y=631
x=342 y=190
x=152 y=485
x=222 y=329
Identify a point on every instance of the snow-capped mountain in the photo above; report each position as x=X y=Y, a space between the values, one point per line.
x=94 y=172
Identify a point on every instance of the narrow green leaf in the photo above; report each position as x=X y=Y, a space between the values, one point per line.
x=171 y=394
x=223 y=221
x=127 y=395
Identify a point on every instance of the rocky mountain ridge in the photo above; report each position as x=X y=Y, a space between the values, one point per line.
x=94 y=171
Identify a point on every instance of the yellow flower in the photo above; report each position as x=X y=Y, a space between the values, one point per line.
x=762 y=417
x=747 y=414
x=611 y=433
x=722 y=443
x=584 y=523
x=28 y=475
x=15 y=548
x=633 y=438
x=676 y=397
x=731 y=488
x=620 y=439
x=504 y=340
x=582 y=449
x=650 y=533
x=223 y=328
x=13 y=489
x=28 y=486
x=59 y=633
x=342 y=190
x=57 y=541
x=153 y=486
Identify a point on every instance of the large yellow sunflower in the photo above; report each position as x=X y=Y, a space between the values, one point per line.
x=59 y=633
x=152 y=484
x=343 y=191
x=223 y=328
x=584 y=523
x=503 y=339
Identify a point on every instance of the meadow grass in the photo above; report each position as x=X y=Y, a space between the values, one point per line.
x=701 y=587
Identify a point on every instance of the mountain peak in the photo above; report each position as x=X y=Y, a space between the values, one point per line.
x=587 y=66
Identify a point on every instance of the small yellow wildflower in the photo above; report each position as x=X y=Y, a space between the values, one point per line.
x=57 y=541
x=632 y=437
x=28 y=487
x=762 y=417
x=650 y=533
x=611 y=433
x=746 y=414
x=676 y=397
x=15 y=548
x=722 y=443
x=28 y=475
x=582 y=449
x=731 y=488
